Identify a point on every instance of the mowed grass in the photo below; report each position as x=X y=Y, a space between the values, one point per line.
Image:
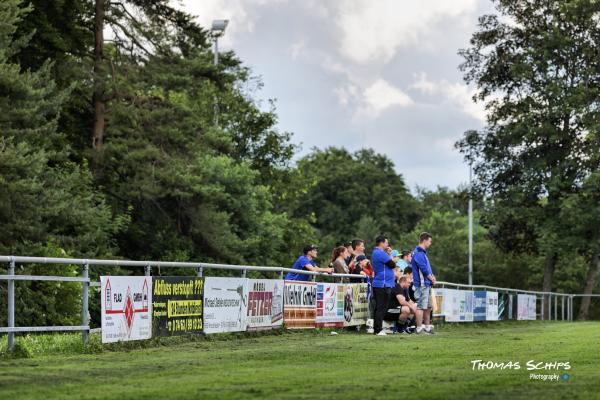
x=309 y=365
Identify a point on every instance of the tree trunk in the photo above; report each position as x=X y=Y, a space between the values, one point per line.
x=590 y=284
x=547 y=285
x=98 y=97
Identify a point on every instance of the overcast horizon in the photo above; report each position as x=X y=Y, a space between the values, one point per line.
x=359 y=74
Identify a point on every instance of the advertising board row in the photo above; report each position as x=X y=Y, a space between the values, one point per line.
x=141 y=307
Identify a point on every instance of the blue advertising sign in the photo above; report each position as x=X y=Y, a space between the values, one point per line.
x=479 y=311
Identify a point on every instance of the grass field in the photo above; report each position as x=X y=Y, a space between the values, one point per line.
x=310 y=365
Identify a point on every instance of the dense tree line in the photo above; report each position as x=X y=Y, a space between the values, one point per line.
x=108 y=148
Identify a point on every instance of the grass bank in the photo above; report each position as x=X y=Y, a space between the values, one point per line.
x=310 y=365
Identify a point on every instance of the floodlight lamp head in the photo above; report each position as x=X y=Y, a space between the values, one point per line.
x=218 y=27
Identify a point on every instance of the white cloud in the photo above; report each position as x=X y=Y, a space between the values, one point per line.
x=453 y=94
x=371 y=101
x=346 y=95
x=381 y=95
x=372 y=31
x=423 y=84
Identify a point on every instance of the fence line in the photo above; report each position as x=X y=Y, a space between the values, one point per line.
x=84 y=328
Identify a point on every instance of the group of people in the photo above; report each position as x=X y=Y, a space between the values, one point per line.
x=399 y=282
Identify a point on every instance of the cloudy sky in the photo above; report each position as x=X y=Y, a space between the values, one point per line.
x=362 y=73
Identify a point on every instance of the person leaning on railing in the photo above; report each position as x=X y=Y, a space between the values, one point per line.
x=305 y=262
x=363 y=267
x=338 y=262
x=357 y=248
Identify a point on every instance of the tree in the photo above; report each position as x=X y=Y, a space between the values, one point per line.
x=537 y=67
x=345 y=191
x=582 y=233
x=48 y=205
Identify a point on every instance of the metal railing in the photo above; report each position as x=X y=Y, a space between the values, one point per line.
x=544 y=314
x=84 y=328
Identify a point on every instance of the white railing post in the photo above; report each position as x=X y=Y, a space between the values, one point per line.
x=562 y=307
x=85 y=304
x=11 y=305
x=571 y=307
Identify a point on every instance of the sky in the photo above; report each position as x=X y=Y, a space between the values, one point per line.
x=362 y=74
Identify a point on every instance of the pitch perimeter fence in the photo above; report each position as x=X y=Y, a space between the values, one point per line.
x=559 y=305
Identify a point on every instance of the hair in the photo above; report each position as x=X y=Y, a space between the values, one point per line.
x=356 y=242
x=404 y=253
x=403 y=278
x=380 y=239
x=424 y=236
x=337 y=251
x=407 y=270
x=347 y=244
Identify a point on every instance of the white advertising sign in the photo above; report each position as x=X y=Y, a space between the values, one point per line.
x=526 y=306
x=225 y=304
x=491 y=306
x=265 y=303
x=451 y=305
x=330 y=305
x=126 y=310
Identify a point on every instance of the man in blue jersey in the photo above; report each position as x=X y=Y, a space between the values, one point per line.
x=383 y=282
x=423 y=279
x=306 y=263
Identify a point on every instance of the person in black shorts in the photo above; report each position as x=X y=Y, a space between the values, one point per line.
x=400 y=307
x=411 y=289
x=409 y=293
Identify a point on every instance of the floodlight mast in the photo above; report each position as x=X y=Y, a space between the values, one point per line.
x=217 y=30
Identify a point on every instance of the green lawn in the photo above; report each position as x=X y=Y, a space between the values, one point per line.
x=319 y=365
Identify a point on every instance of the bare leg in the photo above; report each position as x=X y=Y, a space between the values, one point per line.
x=419 y=317
x=404 y=314
x=427 y=316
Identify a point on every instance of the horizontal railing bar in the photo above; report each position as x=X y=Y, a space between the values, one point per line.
x=95 y=284
x=176 y=264
x=96 y=330
x=501 y=289
x=44 y=329
x=43 y=278
x=164 y=264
